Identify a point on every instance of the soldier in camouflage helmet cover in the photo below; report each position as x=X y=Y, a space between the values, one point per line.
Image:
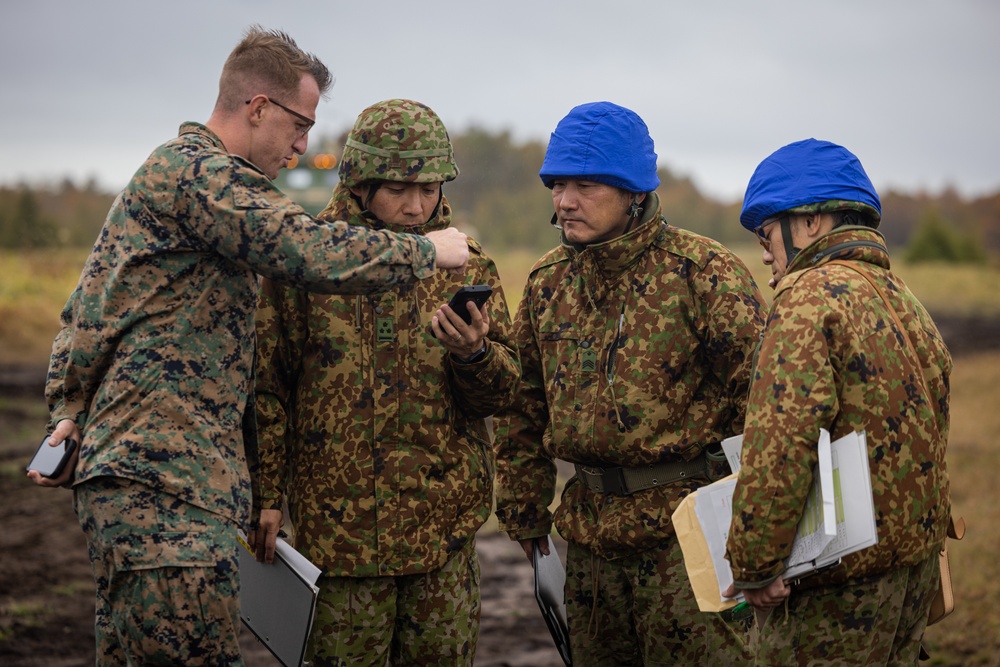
x=636 y=341
x=152 y=370
x=833 y=357
x=372 y=417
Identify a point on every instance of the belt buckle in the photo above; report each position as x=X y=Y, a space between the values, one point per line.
x=604 y=480
x=613 y=481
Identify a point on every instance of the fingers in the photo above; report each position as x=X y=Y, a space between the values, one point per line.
x=770 y=596
x=65 y=429
x=452 y=248
x=461 y=339
x=528 y=548
x=543 y=545
x=461 y=342
x=266 y=538
x=37 y=478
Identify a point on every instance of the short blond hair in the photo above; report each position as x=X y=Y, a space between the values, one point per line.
x=268 y=62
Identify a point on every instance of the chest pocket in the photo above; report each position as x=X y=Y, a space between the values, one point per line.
x=572 y=364
x=567 y=352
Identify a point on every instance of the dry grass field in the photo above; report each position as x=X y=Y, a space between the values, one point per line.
x=34 y=287
x=971 y=636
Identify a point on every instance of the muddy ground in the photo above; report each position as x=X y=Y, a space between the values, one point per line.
x=46 y=586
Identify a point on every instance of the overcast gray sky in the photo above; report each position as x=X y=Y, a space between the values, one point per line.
x=910 y=86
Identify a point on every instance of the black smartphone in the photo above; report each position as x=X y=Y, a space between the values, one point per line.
x=50 y=461
x=478 y=294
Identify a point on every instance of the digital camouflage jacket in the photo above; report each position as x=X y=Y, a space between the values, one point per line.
x=832 y=358
x=690 y=316
x=155 y=355
x=373 y=433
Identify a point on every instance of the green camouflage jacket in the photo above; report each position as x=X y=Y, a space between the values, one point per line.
x=155 y=355
x=690 y=318
x=831 y=358
x=375 y=436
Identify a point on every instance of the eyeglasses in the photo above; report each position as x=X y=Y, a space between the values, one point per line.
x=765 y=238
x=309 y=122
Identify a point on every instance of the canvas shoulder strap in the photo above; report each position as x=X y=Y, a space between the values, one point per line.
x=956 y=527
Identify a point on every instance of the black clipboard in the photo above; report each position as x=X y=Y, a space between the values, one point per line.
x=550 y=583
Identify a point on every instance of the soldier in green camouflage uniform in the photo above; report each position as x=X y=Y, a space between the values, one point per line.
x=153 y=365
x=636 y=340
x=832 y=357
x=371 y=413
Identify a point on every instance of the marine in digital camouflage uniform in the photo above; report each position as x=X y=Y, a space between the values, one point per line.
x=372 y=417
x=153 y=365
x=636 y=341
x=832 y=357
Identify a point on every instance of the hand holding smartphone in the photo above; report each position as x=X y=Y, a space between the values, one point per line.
x=478 y=294
x=51 y=461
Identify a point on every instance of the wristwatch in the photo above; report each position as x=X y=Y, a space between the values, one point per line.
x=476 y=356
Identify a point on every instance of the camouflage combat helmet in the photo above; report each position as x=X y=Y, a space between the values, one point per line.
x=398 y=140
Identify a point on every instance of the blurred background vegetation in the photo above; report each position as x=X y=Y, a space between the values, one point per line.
x=500 y=200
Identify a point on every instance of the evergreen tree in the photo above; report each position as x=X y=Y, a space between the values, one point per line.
x=937 y=241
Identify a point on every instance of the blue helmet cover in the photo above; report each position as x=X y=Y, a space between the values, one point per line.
x=604 y=143
x=802 y=173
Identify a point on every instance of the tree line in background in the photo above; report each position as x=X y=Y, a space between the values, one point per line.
x=500 y=200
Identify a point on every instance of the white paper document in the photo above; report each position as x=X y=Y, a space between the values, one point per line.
x=714 y=511
x=838 y=519
x=278 y=601
x=818 y=525
x=732 y=447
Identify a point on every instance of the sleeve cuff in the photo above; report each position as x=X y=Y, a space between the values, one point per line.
x=425 y=257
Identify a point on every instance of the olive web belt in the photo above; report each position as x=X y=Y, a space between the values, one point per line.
x=626 y=481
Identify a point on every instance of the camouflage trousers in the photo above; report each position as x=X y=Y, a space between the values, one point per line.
x=874 y=621
x=417 y=619
x=641 y=611
x=166 y=574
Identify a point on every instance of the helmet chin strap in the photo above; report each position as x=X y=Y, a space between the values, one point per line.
x=437 y=207
x=786 y=238
x=372 y=189
x=633 y=211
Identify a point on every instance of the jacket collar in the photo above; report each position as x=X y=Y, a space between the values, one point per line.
x=860 y=244
x=191 y=127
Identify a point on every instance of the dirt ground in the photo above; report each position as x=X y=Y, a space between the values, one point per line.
x=46 y=586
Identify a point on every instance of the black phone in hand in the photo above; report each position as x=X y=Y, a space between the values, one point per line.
x=51 y=461
x=478 y=294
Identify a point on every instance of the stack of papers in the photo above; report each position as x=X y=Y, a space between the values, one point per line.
x=838 y=519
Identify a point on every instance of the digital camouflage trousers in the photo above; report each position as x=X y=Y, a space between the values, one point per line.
x=166 y=574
